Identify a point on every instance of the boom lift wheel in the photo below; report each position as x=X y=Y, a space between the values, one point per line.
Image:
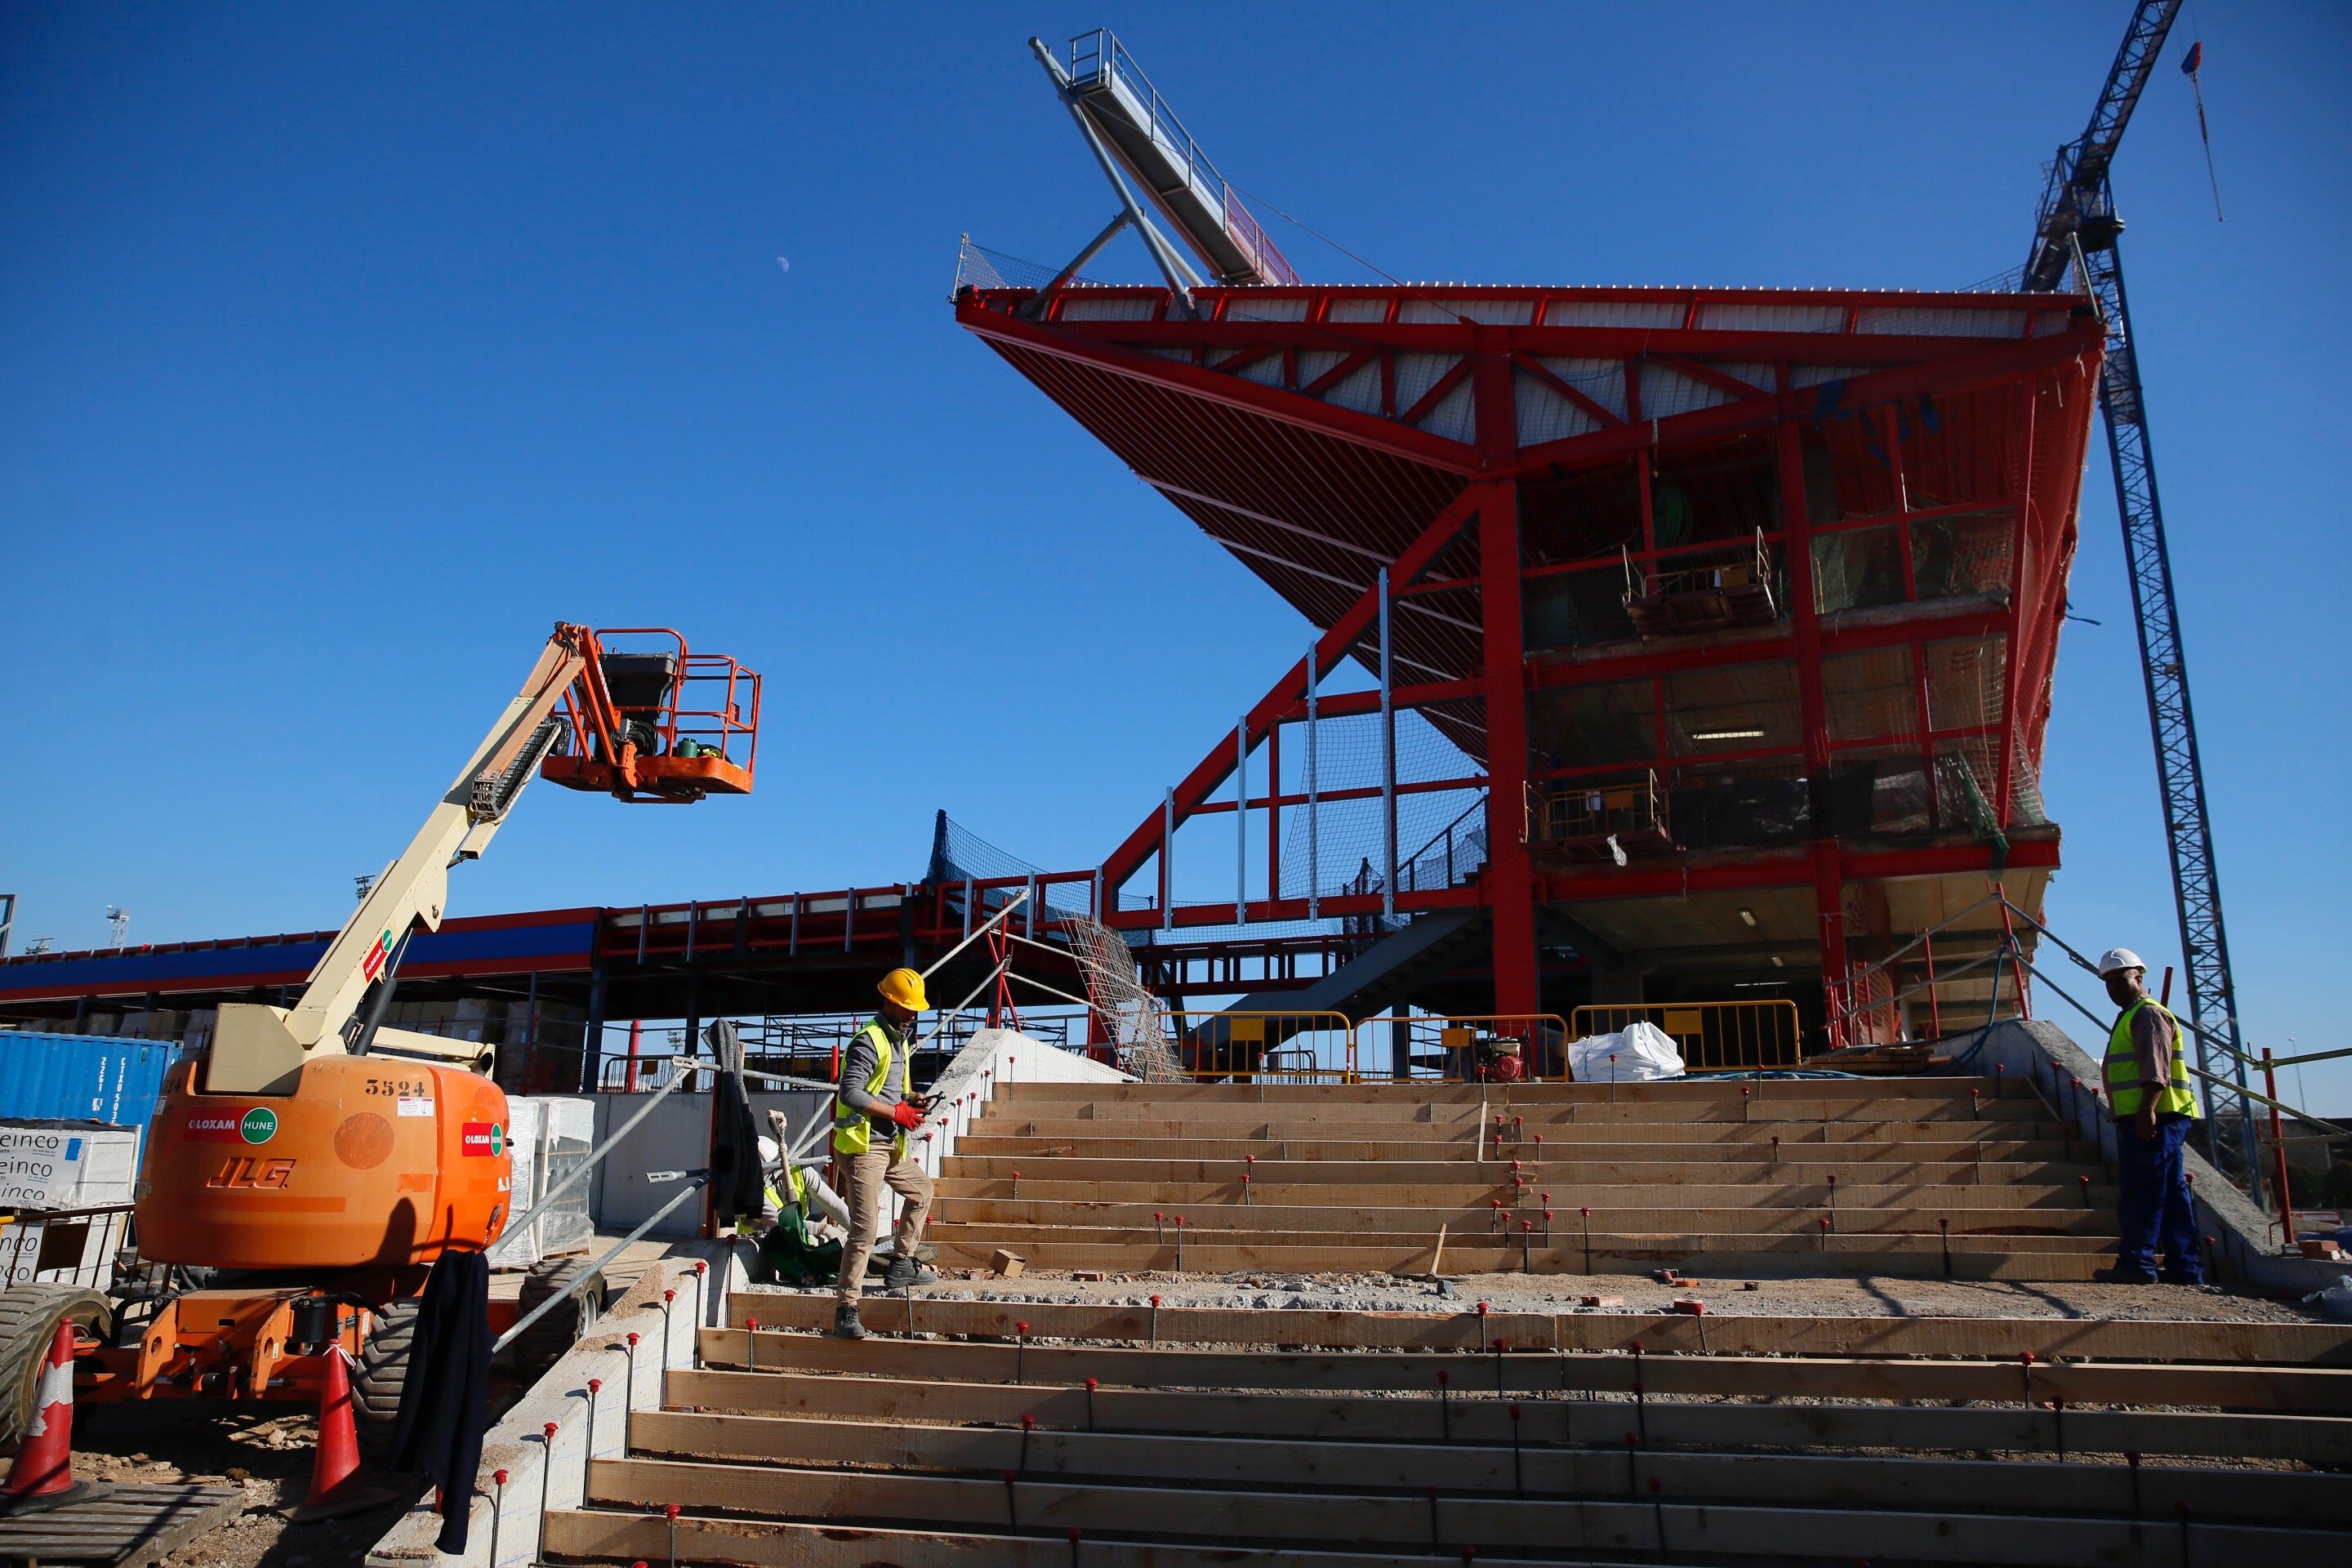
x=381 y=1372
x=543 y=1344
x=29 y=1316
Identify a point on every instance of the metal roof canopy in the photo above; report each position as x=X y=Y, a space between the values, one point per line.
x=1315 y=431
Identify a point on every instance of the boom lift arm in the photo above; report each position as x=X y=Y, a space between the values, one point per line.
x=564 y=721
x=2077 y=229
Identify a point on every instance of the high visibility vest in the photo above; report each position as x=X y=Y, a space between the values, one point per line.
x=797 y=1182
x=853 y=1131
x=2123 y=1090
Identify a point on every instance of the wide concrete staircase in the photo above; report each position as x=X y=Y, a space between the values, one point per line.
x=1040 y=1435
x=1969 y=1178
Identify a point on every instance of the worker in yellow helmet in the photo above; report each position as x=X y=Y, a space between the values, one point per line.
x=872 y=1113
x=2154 y=1107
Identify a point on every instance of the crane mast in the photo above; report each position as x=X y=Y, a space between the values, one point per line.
x=2077 y=229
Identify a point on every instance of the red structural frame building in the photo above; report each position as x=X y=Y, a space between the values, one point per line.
x=1843 y=520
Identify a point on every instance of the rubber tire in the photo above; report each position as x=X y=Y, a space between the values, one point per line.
x=382 y=1373
x=29 y=1316
x=543 y=1344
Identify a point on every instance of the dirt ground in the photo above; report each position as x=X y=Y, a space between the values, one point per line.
x=268 y=1454
x=269 y=1451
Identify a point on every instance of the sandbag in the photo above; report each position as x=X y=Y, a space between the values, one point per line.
x=1643 y=1051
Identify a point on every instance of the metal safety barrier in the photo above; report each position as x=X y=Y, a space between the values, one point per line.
x=1264 y=1047
x=1713 y=1037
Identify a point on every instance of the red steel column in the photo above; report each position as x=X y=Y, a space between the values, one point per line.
x=1829 y=890
x=1510 y=874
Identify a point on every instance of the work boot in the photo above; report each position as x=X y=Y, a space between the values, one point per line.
x=846 y=1325
x=2122 y=1276
x=905 y=1272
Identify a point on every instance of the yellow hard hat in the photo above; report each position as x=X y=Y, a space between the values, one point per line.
x=904 y=988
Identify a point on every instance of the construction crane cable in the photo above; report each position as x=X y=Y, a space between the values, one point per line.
x=1253 y=197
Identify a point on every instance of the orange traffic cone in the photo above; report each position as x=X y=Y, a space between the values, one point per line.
x=42 y=1477
x=335 y=1484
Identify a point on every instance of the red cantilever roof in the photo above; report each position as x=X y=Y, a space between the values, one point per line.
x=1314 y=432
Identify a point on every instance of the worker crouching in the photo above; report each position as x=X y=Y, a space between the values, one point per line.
x=872 y=1113
x=2147 y=1076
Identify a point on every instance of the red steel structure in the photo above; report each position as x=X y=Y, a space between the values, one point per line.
x=1742 y=606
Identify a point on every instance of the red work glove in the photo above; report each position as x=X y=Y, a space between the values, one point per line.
x=905 y=1115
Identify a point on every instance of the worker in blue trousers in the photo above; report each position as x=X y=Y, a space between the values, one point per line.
x=2148 y=1093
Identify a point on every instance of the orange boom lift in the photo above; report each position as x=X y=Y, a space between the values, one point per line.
x=304 y=1173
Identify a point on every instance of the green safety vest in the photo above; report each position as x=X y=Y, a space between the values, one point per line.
x=853 y=1131
x=2122 y=1069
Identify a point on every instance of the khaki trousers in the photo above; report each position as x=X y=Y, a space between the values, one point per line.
x=863 y=1178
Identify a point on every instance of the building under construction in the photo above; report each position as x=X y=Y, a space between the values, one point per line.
x=1667 y=647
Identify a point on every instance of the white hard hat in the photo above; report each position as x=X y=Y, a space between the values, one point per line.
x=2116 y=960
x=769 y=1152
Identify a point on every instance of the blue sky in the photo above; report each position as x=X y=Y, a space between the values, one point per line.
x=343 y=349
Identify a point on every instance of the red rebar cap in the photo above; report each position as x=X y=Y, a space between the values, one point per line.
x=501 y=1476
x=595 y=1385
x=671 y=1510
x=1022 y=1326
x=549 y=1430
x=633 y=1341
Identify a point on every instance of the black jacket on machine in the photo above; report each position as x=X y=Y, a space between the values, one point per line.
x=445 y=1398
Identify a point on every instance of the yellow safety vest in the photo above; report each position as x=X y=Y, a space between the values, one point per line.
x=2122 y=1069
x=798 y=1181
x=853 y=1131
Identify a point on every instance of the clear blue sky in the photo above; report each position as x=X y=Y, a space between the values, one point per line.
x=343 y=349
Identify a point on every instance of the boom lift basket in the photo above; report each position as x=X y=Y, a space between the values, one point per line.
x=654 y=721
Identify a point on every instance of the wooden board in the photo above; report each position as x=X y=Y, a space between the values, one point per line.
x=1514 y=1138
x=2003 y=1338
x=2314 y=1440
x=1205 y=1098
x=2267 y=1497
x=1835 y=1258
x=1561 y=1251
x=621 y=1538
x=1633 y=1521
x=131 y=1526
x=2292 y=1389
x=1262 y=1212
x=1173 y=1197
x=1462 y=1151
x=1557 y=1173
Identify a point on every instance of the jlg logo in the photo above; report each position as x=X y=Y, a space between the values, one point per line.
x=244 y=1171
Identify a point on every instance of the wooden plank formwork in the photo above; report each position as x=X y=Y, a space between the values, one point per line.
x=2002 y=1339
x=1628 y=1520
x=2292 y=1389
x=1477 y=1417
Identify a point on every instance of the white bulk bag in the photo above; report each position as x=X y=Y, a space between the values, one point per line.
x=1642 y=1051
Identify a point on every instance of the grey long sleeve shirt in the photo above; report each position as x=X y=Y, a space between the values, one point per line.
x=857 y=1066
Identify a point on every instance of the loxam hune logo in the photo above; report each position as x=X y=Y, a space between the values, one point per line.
x=259 y=1125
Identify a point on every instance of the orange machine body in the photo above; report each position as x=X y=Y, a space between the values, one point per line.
x=371 y=1162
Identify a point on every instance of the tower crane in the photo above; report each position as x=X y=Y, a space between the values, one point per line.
x=2077 y=230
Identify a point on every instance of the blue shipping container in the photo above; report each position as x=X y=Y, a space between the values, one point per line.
x=82 y=1078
